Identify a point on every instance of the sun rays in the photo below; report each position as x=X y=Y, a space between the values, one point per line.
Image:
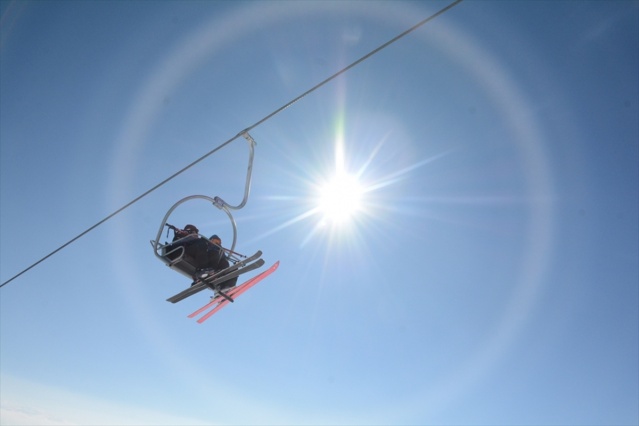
x=341 y=200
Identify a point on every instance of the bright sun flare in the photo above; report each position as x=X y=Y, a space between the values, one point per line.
x=340 y=198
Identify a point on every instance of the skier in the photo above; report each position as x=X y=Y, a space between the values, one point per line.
x=217 y=260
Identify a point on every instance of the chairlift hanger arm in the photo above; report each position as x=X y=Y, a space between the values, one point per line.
x=219 y=202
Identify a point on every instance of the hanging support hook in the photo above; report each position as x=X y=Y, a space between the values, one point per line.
x=219 y=202
x=223 y=205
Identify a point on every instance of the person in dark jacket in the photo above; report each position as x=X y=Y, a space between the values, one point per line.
x=218 y=261
x=200 y=253
x=195 y=247
x=182 y=233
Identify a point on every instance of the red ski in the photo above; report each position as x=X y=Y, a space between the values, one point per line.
x=221 y=300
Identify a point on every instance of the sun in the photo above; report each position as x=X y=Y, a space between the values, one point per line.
x=340 y=198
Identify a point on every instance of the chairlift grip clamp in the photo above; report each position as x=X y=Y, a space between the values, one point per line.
x=248 y=137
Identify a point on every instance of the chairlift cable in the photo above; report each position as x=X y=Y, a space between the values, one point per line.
x=243 y=132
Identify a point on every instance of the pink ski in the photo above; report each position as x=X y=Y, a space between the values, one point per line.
x=220 y=301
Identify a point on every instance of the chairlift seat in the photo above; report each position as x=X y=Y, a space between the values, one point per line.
x=190 y=255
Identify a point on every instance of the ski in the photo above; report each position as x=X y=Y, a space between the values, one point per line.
x=211 y=282
x=228 y=295
x=241 y=263
x=219 y=301
x=231 y=272
x=236 y=292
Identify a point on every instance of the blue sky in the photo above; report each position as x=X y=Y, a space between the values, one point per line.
x=489 y=277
